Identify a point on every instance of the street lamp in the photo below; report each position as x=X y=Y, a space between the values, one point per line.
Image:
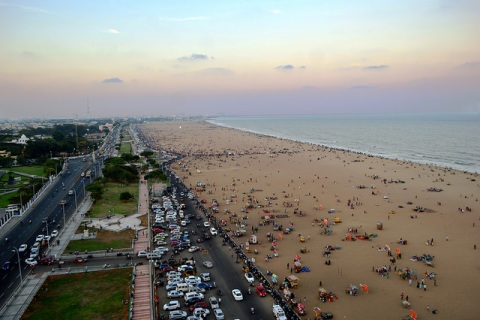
x=46 y=224
x=19 y=265
x=75 y=193
x=62 y=203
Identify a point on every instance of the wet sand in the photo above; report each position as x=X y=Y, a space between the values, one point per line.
x=249 y=174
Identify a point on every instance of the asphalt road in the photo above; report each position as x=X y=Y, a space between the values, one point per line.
x=46 y=216
x=226 y=273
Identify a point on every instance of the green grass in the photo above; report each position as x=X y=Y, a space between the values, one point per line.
x=36 y=170
x=4 y=199
x=125 y=147
x=110 y=202
x=93 y=295
x=105 y=239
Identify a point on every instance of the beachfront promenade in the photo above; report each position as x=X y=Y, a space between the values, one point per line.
x=142 y=301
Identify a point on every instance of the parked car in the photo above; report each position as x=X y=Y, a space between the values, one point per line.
x=39 y=238
x=174 y=294
x=249 y=276
x=218 y=314
x=205 y=286
x=201 y=312
x=261 y=291
x=171 y=305
x=54 y=233
x=205 y=276
x=200 y=304
x=213 y=231
x=213 y=302
x=192 y=301
x=177 y=314
x=237 y=295
x=142 y=254
x=193 y=249
x=31 y=262
x=206 y=224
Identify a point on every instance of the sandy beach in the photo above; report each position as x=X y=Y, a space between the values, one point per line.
x=252 y=176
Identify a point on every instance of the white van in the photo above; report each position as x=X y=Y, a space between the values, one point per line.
x=183 y=287
x=192 y=288
x=153 y=255
x=190 y=295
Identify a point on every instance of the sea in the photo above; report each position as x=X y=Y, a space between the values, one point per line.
x=450 y=140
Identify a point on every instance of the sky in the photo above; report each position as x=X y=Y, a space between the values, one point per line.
x=64 y=59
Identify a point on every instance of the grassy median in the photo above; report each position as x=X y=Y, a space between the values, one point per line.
x=93 y=295
x=105 y=239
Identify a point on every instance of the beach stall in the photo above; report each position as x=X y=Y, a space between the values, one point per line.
x=292 y=281
x=379 y=225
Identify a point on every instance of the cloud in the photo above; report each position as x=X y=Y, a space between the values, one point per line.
x=377 y=67
x=215 y=72
x=112 y=31
x=288 y=67
x=275 y=11
x=471 y=64
x=194 y=57
x=113 y=80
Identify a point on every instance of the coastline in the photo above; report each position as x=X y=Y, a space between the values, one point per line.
x=242 y=169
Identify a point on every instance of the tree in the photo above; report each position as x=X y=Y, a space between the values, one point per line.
x=96 y=190
x=156 y=175
x=146 y=153
x=126 y=196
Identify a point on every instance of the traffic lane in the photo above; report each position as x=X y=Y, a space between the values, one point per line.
x=228 y=275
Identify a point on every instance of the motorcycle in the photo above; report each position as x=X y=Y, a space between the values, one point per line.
x=252 y=310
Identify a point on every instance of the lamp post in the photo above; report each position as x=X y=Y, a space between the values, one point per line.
x=62 y=203
x=46 y=224
x=19 y=265
x=83 y=183
x=75 y=193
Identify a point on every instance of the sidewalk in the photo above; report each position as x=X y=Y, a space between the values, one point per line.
x=25 y=293
x=142 y=298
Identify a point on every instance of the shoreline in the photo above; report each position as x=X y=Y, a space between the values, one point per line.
x=413 y=161
x=241 y=170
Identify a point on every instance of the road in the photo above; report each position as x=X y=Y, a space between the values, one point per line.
x=226 y=273
x=47 y=215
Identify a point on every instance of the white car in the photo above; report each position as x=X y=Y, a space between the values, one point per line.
x=39 y=238
x=174 y=294
x=214 y=302
x=250 y=278
x=47 y=238
x=172 y=305
x=54 y=233
x=213 y=231
x=192 y=280
x=200 y=312
x=237 y=295
x=22 y=248
x=218 y=314
x=177 y=314
x=142 y=254
x=190 y=295
x=208 y=264
x=31 y=262
x=206 y=224
x=205 y=276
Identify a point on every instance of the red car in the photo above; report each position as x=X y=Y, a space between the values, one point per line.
x=157 y=230
x=80 y=260
x=261 y=291
x=200 y=304
x=47 y=260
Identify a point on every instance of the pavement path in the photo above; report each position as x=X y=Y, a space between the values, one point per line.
x=142 y=297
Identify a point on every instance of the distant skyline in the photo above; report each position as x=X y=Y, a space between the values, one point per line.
x=67 y=59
